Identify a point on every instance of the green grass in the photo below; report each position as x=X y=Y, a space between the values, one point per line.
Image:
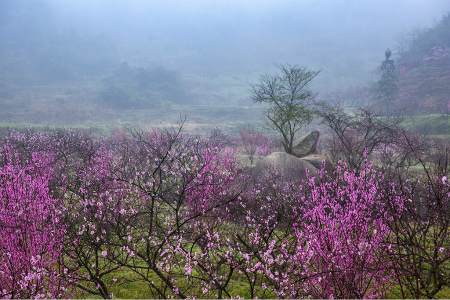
x=126 y=287
x=130 y=286
x=433 y=124
x=98 y=129
x=199 y=119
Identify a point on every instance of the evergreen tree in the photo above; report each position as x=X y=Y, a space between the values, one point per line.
x=387 y=85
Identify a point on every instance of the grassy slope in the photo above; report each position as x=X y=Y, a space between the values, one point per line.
x=437 y=125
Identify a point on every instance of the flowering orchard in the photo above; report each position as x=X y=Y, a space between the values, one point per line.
x=177 y=215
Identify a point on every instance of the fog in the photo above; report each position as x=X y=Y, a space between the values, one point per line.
x=215 y=47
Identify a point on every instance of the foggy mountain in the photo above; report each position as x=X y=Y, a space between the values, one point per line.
x=216 y=48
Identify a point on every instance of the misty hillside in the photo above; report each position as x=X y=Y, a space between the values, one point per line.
x=424 y=71
x=103 y=62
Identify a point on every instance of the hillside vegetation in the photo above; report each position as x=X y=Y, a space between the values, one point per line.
x=424 y=72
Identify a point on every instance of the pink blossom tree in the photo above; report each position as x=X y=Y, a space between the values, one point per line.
x=251 y=140
x=31 y=231
x=332 y=241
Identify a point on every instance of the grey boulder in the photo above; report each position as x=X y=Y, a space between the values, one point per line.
x=305 y=145
x=281 y=166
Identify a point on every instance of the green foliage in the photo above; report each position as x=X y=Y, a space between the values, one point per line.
x=141 y=88
x=289 y=100
x=116 y=96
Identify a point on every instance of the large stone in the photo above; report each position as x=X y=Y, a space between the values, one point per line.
x=317 y=161
x=281 y=166
x=305 y=145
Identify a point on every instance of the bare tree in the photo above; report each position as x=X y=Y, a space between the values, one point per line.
x=362 y=134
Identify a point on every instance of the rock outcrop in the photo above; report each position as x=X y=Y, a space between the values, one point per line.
x=305 y=145
x=281 y=166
